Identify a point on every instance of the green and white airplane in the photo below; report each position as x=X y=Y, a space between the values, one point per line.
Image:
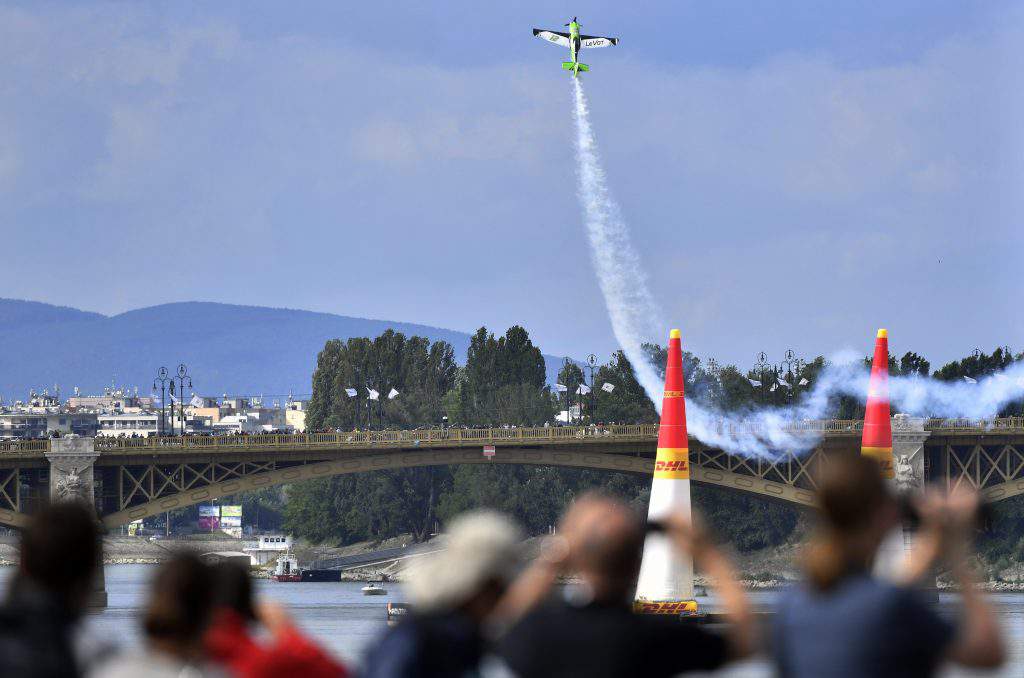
x=575 y=42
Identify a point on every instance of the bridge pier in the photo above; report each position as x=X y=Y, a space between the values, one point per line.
x=72 y=462
x=908 y=439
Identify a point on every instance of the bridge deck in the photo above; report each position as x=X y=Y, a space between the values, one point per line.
x=458 y=437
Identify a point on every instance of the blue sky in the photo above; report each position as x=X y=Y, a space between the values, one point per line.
x=795 y=174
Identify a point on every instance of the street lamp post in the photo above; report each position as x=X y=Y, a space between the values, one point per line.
x=568 y=391
x=592 y=363
x=183 y=378
x=162 y=378
x=762 y=368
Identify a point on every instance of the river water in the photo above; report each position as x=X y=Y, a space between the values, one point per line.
x=342 y=619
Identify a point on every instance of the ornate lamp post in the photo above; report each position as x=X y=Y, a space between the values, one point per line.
x=568 y=395
x=183 y=378
x=162 y=378
x=592 y=364
x=762 y=369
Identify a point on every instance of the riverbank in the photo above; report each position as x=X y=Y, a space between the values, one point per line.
x=766 y=569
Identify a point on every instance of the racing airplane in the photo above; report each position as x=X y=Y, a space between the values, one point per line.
x=575 y=42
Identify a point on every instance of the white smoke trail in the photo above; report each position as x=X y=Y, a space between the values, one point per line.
x=633 y=312
x=765 y=432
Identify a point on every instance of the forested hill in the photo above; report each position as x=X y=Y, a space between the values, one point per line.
x=228 y=348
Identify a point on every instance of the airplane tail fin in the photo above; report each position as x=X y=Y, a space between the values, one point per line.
x=575 y=67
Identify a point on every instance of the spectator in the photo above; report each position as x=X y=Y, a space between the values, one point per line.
x=843 y=622
x=230 y=643
x=174 y=624
x=453 y=593
x=49 y=592
x=596 y=633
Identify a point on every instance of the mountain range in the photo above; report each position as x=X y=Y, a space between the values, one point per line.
x=238 y=350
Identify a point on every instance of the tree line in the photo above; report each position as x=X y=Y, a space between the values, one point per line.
x=503 y=382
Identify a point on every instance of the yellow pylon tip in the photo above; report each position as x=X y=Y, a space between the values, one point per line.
x=883 y=334
x=675 y=334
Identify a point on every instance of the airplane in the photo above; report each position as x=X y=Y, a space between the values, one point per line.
x=575 y=42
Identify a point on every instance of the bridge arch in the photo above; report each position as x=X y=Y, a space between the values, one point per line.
x=394 y=461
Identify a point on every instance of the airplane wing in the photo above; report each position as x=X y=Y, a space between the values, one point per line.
x=553 y=36
x=597 y=41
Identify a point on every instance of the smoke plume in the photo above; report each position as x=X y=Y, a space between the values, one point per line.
x=766 y=432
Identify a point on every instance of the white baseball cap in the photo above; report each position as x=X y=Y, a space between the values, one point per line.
x=482 y=546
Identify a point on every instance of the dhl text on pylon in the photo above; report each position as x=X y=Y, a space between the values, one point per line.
x=665 y=585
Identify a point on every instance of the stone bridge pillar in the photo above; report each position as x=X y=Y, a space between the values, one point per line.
x=908 y=438
x=71 y=478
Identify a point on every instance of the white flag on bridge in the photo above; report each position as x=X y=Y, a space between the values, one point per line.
x=373 y=395
x=754 y=382
x=561 y=388
x=783 y=383
x=804 y=382
x=351 y=392
x=969 y=380
x=196 y=401
x=608 y=387
x=583 y=389
x=392 y=394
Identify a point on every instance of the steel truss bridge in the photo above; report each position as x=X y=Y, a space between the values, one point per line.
x=134 y=478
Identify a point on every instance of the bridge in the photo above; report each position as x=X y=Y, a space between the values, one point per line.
x=132 y=478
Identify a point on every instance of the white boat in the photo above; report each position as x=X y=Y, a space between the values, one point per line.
x=287 y=569
x=372 y=589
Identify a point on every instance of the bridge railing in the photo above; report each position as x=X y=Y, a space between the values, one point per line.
x=1001 y=424
x=24 y=445
x=484 y=436
x=362 y=439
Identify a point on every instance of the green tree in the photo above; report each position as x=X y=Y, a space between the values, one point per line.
x=627 y=403
x=504 y=381
x=420 y=371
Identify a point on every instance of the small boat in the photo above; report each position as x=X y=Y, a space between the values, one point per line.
x=396 y=612
x=372 y=589
x=287 y=569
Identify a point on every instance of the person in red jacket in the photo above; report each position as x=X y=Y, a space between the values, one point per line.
x=231 y=644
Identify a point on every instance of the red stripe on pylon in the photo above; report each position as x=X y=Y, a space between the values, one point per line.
x=877 y=438
x=672 y=432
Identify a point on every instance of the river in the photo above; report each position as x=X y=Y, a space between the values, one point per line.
x=345 y=621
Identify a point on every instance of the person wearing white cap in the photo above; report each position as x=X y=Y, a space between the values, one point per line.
x=453 y=594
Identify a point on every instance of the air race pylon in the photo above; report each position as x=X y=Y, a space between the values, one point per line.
x=876 y=441
x=665 y=585
x=894 y=552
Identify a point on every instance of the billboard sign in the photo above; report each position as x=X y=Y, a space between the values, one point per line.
x=230 y=516
x=209 y=517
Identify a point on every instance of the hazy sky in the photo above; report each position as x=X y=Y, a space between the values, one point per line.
x=795 y=174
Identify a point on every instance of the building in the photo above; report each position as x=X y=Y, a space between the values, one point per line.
x=295 y=415
x=128 y=425
x=267 y=548
x=112 y=400
x=20 y=423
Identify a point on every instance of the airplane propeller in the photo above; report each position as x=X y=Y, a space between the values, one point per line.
x=572 y=22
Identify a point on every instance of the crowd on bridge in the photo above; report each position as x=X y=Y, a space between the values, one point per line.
x=479 y=611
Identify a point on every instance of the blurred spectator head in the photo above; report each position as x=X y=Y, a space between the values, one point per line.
x=233 y=589
x=60 y=552
x=856 y=510
x=606 y=540
x=474 y=569
x=180 y=603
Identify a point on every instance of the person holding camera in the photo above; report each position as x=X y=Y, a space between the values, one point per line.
x=844 y=622
x=594 y=632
